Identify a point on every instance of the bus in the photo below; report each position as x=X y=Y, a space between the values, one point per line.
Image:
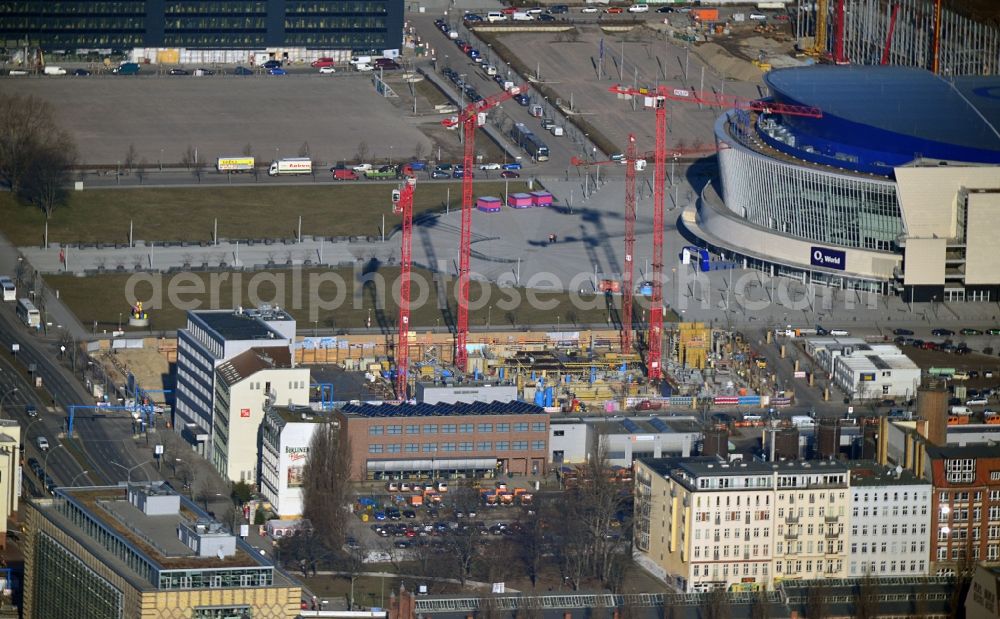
x=527 y=140
x=28 y=313
x=9 y=289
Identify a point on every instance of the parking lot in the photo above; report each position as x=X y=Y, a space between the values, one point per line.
x=276 y=116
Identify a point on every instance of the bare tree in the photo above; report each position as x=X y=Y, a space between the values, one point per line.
x=189 y=157
x=531 y=544
x=816 y=606
x=716 y=605
x=761 y=608
x=27 y=125
x=463 y=548
x=363 y=152
x=141 y=170
x=325 y=483
x=248 y=150
x=304 y=149
x=418 y=151
x=45 y=182
x=865 y=602
x=130 y=158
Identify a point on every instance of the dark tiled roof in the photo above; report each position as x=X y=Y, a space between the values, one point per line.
x=251 y=361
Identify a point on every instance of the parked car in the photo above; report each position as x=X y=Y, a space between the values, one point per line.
x=614 y=10
x=638 y=8
x=242 y=71
x=665 y=9
x=512 y=166
x=968 y=331
x=342 y=173
x=31 y=410
x=272 y=64
x=557 y=9
x=277 y=72
x=327 y=70
x=81 y=72
x=204 y=72
x=942 y=332
x=510 y=174
x=548 y=18
x=440 y=174
x=490 y=166
x=589 y=9
x=178 y=72
x=993 y=331
x=902 y=332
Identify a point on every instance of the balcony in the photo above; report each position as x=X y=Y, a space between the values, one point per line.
x=791 y=534
x=831 y=518
x=832 y=534
x=791 y=519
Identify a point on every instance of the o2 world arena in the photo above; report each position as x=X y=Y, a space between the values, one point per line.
x=894 y=190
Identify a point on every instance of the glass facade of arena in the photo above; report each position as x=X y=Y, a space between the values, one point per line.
x=70 y=588
x=806 y=201
x=357 y=25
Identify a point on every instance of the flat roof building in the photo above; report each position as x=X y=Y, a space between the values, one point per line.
x=143 y=551
x=210 y=339
x=366 y=26
x=481 y=439
x=572 y=439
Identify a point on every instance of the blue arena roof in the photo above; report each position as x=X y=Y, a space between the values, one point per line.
x=443 y=410
x=893 y=115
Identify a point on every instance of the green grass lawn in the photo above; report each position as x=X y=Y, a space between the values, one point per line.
x=188 y=214
x=102 y=298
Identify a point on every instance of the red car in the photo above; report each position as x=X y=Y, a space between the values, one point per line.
x=614 y=10
x=344 y=174
x=508 y=10
x=319 y=63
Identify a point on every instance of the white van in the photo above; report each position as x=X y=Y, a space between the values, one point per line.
x=839 y=332
x=521 y=16
x=758 y=17
x=960 y=410
x=43 y=443
x=495 y=16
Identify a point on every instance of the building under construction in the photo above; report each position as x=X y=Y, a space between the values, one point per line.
x=910 y=33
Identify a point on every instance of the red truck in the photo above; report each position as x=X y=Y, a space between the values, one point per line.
x=344 y=174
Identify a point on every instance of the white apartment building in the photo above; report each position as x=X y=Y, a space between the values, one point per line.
x=286 y=434
x=890 y=523
x=244 y=386
x=211 y=338
x=707 y=524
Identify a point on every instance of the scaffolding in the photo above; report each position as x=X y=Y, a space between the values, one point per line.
x=967 y=47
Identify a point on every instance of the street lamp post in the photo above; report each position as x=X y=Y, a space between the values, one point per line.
x=129 y=470
x=78 y=475
x=45 y=461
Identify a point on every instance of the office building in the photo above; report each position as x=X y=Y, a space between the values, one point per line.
x=572 y=440
x=10 y=474
x=210 y=339
x=706 y=524
x=244 y=386
x=890 y=523
x=894 y=194
x=286 y=436
x=290 y=27
x=143 y=551
x=482 y=439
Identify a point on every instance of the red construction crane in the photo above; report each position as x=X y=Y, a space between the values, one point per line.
x=473 y=116
x=839 y=56
x=402 y=204
x=657 y=99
